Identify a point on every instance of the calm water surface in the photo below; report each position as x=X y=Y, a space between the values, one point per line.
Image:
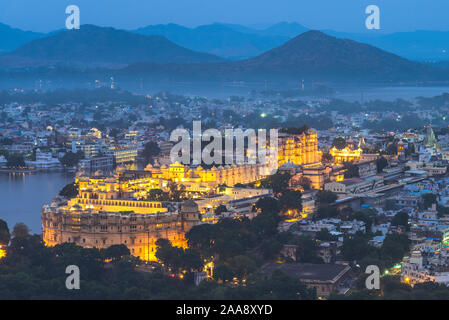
x=22 y=196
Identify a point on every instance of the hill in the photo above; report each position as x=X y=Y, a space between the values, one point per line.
x=12 y=38
x=97 y=46
x=230 y=41
x=312 y=55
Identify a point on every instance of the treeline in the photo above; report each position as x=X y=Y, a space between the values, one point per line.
x=71 y=95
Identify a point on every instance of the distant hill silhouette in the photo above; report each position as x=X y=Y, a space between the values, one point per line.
x=98 y=46
x=312 y=54
x=417 y=45
x=230 y=41
x=237 y=42
x=12 y=38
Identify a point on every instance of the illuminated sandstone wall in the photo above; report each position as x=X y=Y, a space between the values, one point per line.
x=138 y=233
x=299 y=149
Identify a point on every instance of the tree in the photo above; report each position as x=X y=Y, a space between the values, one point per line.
x=151 y=149
x=327 y=157
x=223 y=272
x=366 y=216
x=394 y=247
x=271 y=249
x=242 y=266
x=392 y=149
x=20 y=230
x=326 y=197
x=177 y=192
x=4 y=233
x=267 y=204
x=325 y=235
x=291 y=200
x=339 y=143
x=220 y=209
x=158 y=195
x=390 y=204
x=265 y=224
x=356 y=247
x=428 y=200
x=15 y=161
x=305 y=183
x=351 y=170
x=278 y=182
x=401 y=219
x=114 y=132
x=116 y=252
x=283 y=287
x=69 y=191
x=191 y=260
x=381 y=164
x=71 y=159
x=325 y=211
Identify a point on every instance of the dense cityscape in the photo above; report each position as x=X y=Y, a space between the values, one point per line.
x=353 y=188
x=224 y=166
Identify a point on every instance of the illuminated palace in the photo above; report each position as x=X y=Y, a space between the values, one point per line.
x=113 y=210
x=298 y=149
x=110 y=210
x=203 y=180
x=347 y=154
x=104 y=214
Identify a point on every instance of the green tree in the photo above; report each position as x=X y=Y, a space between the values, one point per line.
x=394 y=247
x=71 y=159
x=339 y=143
x=291 y=200
x=223 y=272
x=278 y=182
x=15 y=161
x=242 y=266
x=116 y=252
x=381 y=163
x=267 y=204
x=158 y=195
x=220 y=209
x=4 y=233
x=352 y=171
x=428 y=200
x=69 y=191
x=20 y=230
x=326 y=197
x=305 y=183
x=325 y=235
x=401 y=219
x=151 y=149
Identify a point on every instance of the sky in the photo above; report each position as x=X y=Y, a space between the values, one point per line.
x=340 y=15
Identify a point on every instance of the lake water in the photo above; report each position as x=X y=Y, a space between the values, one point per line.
x=22 y=196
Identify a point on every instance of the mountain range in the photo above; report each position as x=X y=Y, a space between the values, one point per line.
x=12 y=38
x=93 y=46
x=227 y=40
x=237 y=42
x=311 y=55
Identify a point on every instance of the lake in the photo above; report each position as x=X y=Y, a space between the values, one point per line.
x=22 y=196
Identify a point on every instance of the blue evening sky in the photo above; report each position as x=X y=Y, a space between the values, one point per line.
x=340 y=15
